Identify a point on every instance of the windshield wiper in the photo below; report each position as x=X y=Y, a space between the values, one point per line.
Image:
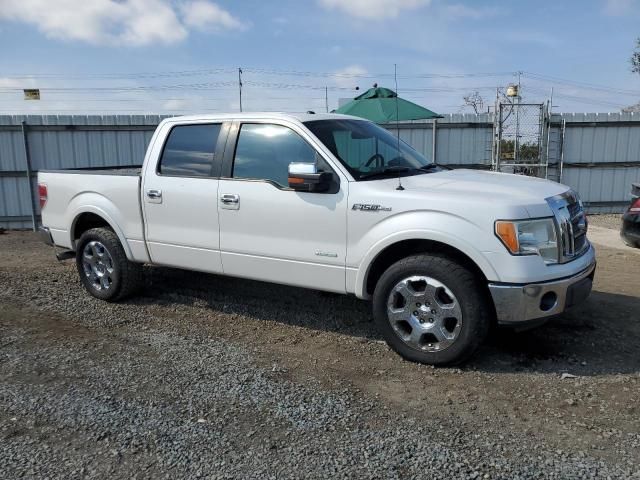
x=429 y=166
x=395 y=170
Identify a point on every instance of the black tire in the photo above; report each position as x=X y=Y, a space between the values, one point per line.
x=125 y=277
x=462 y=283
x=630 y=243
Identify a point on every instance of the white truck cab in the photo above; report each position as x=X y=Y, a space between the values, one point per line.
x=334 y=203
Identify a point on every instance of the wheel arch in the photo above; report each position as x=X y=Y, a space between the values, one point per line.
x=94 y=217
x=382 y=256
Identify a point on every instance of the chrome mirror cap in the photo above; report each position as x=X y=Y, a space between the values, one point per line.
x=300 y=168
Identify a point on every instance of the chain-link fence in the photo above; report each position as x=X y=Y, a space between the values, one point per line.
x=520 y=139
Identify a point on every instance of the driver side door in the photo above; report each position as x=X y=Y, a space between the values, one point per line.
x=268 y=231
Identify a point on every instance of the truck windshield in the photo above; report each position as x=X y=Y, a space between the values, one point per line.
x=369 y=151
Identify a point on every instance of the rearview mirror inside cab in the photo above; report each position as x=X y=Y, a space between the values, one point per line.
x=305 y=177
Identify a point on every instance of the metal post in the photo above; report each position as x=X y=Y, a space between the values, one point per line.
x=494 y=133
x=516 y=143
x=240 y=86
x=326 y=99
x=564 y=127
x=541 y=117
x=433 y=139
x=499 y=139
x=25 y=142
x=547 y=125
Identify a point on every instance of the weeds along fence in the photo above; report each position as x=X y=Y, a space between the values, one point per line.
x=596 y=154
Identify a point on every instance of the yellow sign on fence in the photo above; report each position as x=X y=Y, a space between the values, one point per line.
x=31 y=93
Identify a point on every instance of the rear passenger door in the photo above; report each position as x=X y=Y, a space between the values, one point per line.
x=179 y=197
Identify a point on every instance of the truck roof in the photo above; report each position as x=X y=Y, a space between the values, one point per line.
x=300 y=117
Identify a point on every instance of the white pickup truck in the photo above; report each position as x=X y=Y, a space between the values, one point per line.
x=333 y=203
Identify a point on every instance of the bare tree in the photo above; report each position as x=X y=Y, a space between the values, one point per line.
x=632 y=108
x=635 y=67
x=475 y=101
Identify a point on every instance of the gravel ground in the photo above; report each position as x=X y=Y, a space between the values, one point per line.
x=205 y=376
x=609 y=220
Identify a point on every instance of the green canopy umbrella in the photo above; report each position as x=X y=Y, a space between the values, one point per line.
x=380 y=105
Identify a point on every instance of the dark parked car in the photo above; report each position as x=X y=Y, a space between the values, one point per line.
x=630 y=232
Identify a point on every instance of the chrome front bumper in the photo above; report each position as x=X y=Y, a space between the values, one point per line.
x=518 y=305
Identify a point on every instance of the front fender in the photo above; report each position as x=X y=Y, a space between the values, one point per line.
x=451 y=230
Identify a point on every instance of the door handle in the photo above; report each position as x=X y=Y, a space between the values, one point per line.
x=154 y=194
x=230 y=201
x=228 y=198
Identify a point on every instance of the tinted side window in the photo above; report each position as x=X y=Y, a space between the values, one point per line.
x=190 y=150
x=265 y=151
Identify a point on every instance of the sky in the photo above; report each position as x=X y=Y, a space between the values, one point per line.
x=183 y=56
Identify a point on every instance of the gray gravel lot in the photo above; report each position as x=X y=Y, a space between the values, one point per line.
x=204 y=376
x=609 y=220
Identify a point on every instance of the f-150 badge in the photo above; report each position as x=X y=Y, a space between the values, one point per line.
x=368 y=207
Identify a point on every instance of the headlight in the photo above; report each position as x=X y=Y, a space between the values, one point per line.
x=530 y=237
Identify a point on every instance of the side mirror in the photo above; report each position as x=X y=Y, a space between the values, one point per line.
x=304 y=177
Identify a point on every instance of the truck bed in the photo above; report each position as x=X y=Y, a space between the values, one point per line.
x=111 y=193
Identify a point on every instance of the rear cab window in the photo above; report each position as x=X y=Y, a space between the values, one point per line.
x=190 y=151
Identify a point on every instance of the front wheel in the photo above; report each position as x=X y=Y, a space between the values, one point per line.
x=104 y=269
x=430 y=309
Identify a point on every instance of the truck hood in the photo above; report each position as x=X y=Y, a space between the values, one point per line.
x=490 y=187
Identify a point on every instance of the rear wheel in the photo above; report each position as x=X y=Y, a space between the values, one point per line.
x=430 y=309
x=104 y=269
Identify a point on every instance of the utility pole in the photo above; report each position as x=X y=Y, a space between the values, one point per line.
x=326 y=98
x=240 y=86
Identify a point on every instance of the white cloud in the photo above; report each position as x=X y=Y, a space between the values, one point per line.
x=208 y=16
x=618 y=7
x=464 y=11
x=117 y=22
x=349 y=77
x=373 y=9
x=533 y=37
x=175 y=104
x=14 y=83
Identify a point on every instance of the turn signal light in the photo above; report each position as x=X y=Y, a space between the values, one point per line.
x=506 y=231
x=42 y=194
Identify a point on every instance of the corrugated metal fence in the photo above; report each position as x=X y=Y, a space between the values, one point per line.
x=62 y=141
x=599 y=153
x=599 y=157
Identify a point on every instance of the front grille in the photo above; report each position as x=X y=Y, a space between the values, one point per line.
x=572 y=225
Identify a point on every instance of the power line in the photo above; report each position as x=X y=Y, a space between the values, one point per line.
x=112 y=76
x=191 y=86
x=375 y=75
x=314 y=74
x=577 y=98
x=263 y=71
x=583 y=85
